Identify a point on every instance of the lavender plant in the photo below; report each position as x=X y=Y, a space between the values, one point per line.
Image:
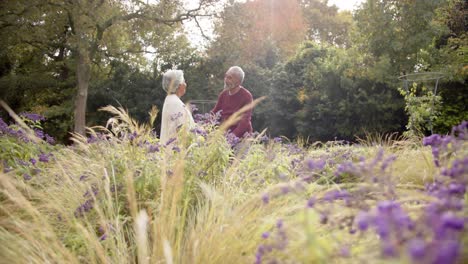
x=120 y=196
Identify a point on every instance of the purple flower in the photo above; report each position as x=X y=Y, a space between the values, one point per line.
x=316 y=165
x=432 y=140
x=199 y=131
x=33 y=161
x=22 y=163
x=387 y=162
x=132 y=136
x=3 y=126
x=457 y=188
x=170 y=141
x=279 y=224
x=33 y=117
x=344 y=252
x=84 y=207
x=265 y=198
x=153 y=148
x=193 y=108
x=7 y=169
x=39 y=133
x=27 y=177
x=277 y=140
x=176 y=149
x=362 y=221
x=382 y=226
x=94 y=191
x=417 y=249
x=450 y=220
x=447 y=252
x=459 y=168
x=44 y=157
x=49 y=139
x=336 y=195
x=460 y=130
x=311 y=202
x=259 y=254
x=387 y=206
x=389 y=250
x=263 y=139
x=103 y=237
x=232 y=139
x=265 y=235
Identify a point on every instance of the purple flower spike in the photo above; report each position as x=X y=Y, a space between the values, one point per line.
x=311 y=202
x=344 y=252
x=279 y=224
x=457 y=188
x=265 y=235
x=362 y=221
x=285 y=189
x=265 y=198
x=450 y=220
x=49 y=139
x=316 y=165
x=382 y=226
x=387 y=206
x=176 y=149
x=27 y=177
x=417 y=249
x=153 y=148
x=32 y=116
x=432 y=140
x=447 y=253
x=43 y=157
x=389 y=250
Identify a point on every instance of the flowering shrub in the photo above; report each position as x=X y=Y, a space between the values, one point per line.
x=20 y=152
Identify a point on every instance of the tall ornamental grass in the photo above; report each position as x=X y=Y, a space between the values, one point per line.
x=120 y=196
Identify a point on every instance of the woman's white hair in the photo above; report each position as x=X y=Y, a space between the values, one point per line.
x=171 y=80
x=236 y=70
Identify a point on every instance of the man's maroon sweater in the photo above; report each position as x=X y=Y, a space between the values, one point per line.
x=229 y=104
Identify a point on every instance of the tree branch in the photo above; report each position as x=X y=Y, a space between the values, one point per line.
x=201 y=30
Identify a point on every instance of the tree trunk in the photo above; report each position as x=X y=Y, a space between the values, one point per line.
x=83 y=76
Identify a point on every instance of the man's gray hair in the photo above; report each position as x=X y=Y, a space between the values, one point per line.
x=171 y=80
x=238 y=72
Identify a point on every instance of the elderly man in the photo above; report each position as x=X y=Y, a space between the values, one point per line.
x=233 y=98
x=174 y=112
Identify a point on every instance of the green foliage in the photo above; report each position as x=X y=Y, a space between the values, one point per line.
x=454 y=106
x=397 y=29
x=326 y=24
x=334 y=98
x=423 y=108
x=341 y=88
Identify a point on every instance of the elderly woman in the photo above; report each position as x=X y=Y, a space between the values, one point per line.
x=174 y=113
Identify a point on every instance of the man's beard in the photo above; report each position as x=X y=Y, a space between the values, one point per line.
x=229 y=86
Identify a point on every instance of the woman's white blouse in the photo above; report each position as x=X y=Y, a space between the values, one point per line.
x=174 y=115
